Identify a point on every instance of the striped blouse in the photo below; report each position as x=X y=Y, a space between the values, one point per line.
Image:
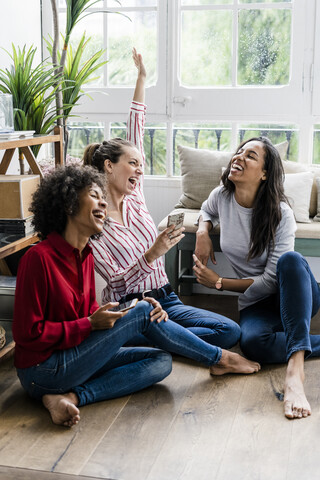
x=119 y=252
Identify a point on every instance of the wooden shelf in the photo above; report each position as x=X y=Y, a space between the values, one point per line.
x=24 y=145
x=29 y=141
x=18 y=245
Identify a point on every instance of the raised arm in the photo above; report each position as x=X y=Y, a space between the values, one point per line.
x=139 y=92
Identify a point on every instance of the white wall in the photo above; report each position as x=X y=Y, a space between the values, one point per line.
x=20 y=24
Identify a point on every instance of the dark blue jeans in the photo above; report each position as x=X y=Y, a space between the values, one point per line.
x=276 y=327
x=209 y=326
x=100 y=369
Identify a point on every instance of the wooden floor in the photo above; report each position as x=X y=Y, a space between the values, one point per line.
x=190 y=426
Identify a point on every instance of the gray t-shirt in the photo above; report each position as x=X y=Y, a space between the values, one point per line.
x=235 y=228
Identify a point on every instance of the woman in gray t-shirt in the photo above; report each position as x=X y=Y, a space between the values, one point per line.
x=278 y=292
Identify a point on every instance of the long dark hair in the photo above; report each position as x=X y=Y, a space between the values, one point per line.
x=266 y=214
x=95 y=154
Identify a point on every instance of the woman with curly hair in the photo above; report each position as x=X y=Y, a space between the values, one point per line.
x=278 y=292
x=68 y=349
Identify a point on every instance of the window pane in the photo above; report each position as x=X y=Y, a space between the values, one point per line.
x=276 y=133
x=200 y=135
x=206 y=42
x=83 y=133
x=316 y=145
x=265 y=1
x=155 y=142
x=206 y=2
x=264 y=47
x=141 y=32
x=92 y=25
x=132 y=3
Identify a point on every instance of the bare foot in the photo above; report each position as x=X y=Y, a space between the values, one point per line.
x=62 y=408
x=232 y=362
x=296 y=404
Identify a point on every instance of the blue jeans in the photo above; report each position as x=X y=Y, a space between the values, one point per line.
x=209 y=326
x=276 y=327
x=99 y=368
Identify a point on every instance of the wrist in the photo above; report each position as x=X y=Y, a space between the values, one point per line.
x=200 y=232
x=149 y=257
x=219 y=284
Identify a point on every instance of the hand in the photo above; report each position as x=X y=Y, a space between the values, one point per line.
x=102 y=319
x=137 y=58
x=157 y=314
x=204 y=248
x=204 y=275
x=164 y=242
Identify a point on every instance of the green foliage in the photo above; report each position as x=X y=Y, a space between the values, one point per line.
x=77 y=10
x=32 y=90
x=77 y=72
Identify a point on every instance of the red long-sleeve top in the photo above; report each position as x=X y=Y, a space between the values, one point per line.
x=55 y=294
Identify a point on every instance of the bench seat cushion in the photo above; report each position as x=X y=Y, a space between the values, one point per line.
x=304 y=230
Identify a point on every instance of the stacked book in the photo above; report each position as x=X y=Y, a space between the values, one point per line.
x=12 y=230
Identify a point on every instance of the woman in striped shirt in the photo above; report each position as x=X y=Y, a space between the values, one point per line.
x=128 y=255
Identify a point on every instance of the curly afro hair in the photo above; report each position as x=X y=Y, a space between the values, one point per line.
x=57 y=197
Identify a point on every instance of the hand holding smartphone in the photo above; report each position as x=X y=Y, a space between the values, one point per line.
x=176 y=220
x=124 y=307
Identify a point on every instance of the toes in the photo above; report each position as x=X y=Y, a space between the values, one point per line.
x=297 y=412
x=306 y=412
x=288 y=410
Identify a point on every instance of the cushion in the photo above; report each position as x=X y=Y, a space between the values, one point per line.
x=293 y=167
x=201 y=172
x=297 y=187
x=317 y=217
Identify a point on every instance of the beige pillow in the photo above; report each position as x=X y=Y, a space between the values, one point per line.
x=293 y=167
x=201 y=172
x=297 y=188
x=317 y=217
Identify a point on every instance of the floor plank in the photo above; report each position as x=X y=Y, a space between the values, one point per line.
x=9 y=473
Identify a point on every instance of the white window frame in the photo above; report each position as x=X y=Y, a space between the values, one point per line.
x=295 y=103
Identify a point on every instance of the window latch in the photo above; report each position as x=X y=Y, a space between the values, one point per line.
x=182 y=100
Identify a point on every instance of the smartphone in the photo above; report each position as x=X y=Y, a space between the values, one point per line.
x=124 y=307
x=176 y=220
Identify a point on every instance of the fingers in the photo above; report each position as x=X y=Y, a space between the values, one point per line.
x=109 y=305
x=157 y=314
x=213 y=258
x=173 y=234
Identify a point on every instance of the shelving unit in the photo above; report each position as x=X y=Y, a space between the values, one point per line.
x=9 y=147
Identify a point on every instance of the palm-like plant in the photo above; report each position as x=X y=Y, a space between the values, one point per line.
x=72 y=77
x=33 y=91
x=77 y=73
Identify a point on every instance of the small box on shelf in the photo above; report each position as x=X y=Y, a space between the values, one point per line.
x=16 y=195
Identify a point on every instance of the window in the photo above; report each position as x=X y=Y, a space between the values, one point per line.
x=219 y=71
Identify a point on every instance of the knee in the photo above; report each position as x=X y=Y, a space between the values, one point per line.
x=232 y=334
x=289 y=263
x=163 y=365
x=254 y=346
x=143 y=308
